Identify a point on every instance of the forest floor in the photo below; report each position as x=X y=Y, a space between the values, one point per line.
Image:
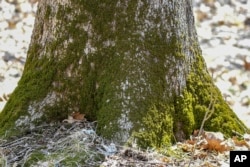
x=74 y=143
x=223 y=28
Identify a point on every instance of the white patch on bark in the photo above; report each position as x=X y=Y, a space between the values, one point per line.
x=108 y=43
x=69 y=71
x=125 y=126
x=36 y=111
x=124 y=123
x=89 y=48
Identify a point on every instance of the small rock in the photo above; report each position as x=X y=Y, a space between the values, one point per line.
x=14 y=73
x=8 y=57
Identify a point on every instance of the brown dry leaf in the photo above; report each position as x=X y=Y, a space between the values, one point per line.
x=215 y=145
x=75 y=117
x=192 y=142
x=201 y=16
x=240 y=143
x=233 y=80
x=201 y=155
x=246 y=63
x=208 y=164
x=196 y=132
x=187 y=147
x=78 y=116
x=165 y=159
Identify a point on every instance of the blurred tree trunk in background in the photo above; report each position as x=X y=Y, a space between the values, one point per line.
x=133 y=66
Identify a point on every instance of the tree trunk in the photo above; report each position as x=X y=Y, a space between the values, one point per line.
x=133 y=66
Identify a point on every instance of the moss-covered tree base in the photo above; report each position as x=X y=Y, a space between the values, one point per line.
x=176 y=120
x=133 y=66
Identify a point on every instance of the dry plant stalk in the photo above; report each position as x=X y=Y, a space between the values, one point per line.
x=208 y=114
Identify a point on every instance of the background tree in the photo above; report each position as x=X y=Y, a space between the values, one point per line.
x=133 y=66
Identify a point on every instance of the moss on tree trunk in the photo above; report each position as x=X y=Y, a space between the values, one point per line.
x=133 y=66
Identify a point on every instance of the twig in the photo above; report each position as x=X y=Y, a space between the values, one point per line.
x=208 y=114
x=242 y=125
x=15 y=142
x=237 y=133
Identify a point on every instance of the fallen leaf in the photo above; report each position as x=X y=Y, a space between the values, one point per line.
x=215 y=145
x=240 y=143
x=78 y=116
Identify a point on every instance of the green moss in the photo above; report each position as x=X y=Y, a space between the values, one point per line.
x=203 y=91
x=184 y=112
x=80 y=158
x=48 y=12
x=34 y=84
x=157 y=127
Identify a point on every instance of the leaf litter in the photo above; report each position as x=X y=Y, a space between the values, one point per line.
x=75 y=143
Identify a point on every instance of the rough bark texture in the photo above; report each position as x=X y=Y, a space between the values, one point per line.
x=134 y=66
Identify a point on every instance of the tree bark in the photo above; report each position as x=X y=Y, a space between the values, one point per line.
x=133 y=66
